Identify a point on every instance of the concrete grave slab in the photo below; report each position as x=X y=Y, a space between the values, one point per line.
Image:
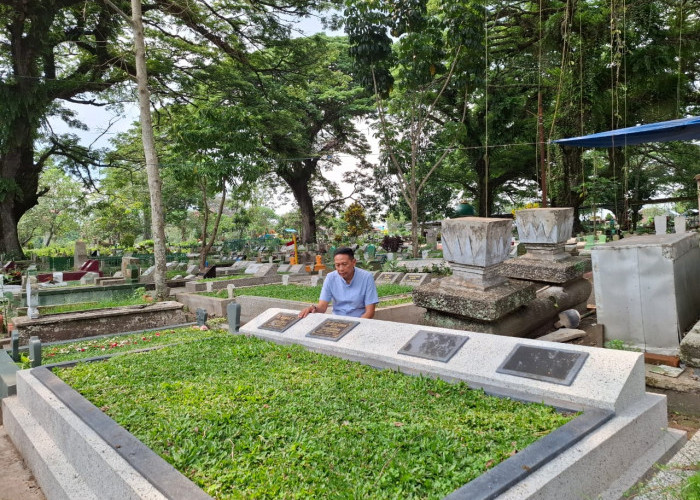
x=451 y=295
x=298 y=269
x=265 y=270
x=253 y=268
x=558 y=272
x=283 y=268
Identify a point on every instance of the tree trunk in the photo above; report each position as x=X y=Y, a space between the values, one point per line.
x=299 y=184
x=206 y=245
x=482 y=199
x=568 y=196
x=414 y=227
x=149 y=148
x=19 y=182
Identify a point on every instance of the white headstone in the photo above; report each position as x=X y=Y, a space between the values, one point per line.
x=230 y=288
x=320 y=273
x=58 y=277
x=285 y=279
x=269 y=260
x=660 y=224
x=425 y=253
x=210 y=286
x=32 y=302
x=679 y=223
x=389 y=256
x=253 y=268
x=314 y=280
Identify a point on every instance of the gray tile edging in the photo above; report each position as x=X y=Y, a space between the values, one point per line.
x=163 y=476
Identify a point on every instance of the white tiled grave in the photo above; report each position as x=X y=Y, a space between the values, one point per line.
x=621 y=433
x=610 y=382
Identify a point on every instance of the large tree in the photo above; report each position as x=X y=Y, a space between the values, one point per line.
x=50 y=51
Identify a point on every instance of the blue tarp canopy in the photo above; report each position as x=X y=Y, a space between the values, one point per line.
x=685 y=129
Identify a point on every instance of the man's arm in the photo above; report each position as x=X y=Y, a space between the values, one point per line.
x=315 y=308
x=369 y=311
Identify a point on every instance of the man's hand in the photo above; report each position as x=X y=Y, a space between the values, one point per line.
x=308 y=310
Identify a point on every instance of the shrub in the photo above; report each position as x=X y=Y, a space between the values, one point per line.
x=391 y=243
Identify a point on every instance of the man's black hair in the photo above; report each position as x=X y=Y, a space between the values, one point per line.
x=345 y=251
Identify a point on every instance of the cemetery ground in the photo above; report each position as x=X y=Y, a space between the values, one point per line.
x=683 y=411
x=200 y=346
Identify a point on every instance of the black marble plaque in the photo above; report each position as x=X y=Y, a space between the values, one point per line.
x=332 y=329
x=280 y=322
x=433 y=345
x=558 y=366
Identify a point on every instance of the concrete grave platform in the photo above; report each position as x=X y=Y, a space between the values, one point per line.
x=452 y=296
x=621 y=434
x=80 y=324
x=76 y=451
x=547 y=271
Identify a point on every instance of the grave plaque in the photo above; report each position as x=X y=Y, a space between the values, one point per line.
x=433 y=345
x=558 y=366
x=280 y=322
x=332 y=329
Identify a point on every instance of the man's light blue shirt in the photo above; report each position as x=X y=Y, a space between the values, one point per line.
x=350 y=299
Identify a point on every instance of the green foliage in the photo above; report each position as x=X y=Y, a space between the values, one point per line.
x=620 y=345
x=691 y=487
x=357 y=223
x=119 y=344
x=244 y=417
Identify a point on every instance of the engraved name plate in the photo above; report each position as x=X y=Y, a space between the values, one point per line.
x=433 y=345
x=413 y=278
x=332 y=329
x=558 y=366
x=384 y=277
x=280 y=322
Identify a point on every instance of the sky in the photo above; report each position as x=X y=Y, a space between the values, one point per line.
x=105 y=123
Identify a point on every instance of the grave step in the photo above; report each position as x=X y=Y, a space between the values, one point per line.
x=103 y=469
x=54 y=473
x=111 y=462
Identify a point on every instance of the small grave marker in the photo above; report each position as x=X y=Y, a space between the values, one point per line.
x=433 y=345
x=558 y=366
x=415 y=279
x=253 y=268
x=332 y=329
x=388 y=278
x=231 y=289
x=202 y=316
x=280 y=322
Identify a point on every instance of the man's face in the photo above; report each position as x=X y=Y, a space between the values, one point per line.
x=344 y=265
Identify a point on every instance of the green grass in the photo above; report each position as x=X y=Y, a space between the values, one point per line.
x=245 y=418
x=117 y=344
x=301 y=293
x=90 y=306
x=395 y=302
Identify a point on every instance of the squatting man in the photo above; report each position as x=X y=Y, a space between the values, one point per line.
x=351 y=289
